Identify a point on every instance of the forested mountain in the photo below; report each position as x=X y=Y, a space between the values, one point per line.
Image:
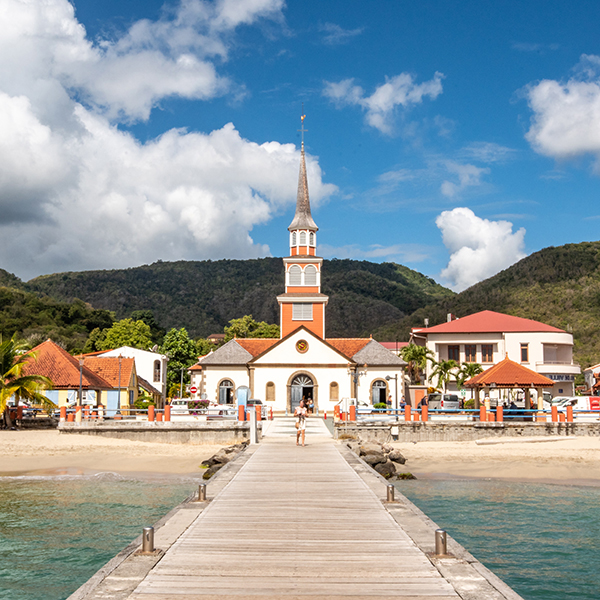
x=559 y=286
x=203 y=296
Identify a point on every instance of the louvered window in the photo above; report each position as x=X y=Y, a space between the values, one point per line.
x=303 y=238
x=312 y=239
x=310 y=275
x=295 y=275
x=302 y=312
x=294 y=238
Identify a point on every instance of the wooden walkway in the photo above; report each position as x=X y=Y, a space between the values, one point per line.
x=295 y=523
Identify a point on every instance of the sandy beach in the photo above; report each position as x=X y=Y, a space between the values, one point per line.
x=562 y=460
x=41 y=452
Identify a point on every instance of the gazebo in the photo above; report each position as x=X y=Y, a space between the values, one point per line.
x=508 y=374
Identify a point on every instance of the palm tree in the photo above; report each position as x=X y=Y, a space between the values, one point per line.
x=443 y=370
x=416 y=357
x=468 y=370
x=12 y=381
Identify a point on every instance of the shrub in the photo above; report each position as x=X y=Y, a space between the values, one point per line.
x=380 y=405
x=469 y=403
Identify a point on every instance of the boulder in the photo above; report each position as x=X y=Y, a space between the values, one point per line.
x=374 y=458
x=369 y=447
x=354 y=446
x=211 y=471
x=397 y=457
x=386 y=469
x=387 y=448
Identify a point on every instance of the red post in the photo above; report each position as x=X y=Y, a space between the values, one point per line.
x=561 y=416
x=491 y=417
x=63 y=413
x=168 y=412
x=71 y=417
x=416 y=416
x=325 y=415
x=151 y=412
x=482 y=415
x=258 y=411
x=569 y=414
x=424 y=414
x=554 y=410
x=499 y=414
x=77 y=410
x=241 y=413
x=336 y=412
x=159 y=416
x=353 y=413
x=19 y=412
x=407 y=411
x=271 y=413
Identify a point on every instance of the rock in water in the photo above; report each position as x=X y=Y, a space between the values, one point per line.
x=397 y=457
x=212 y=470
x=374 y=458
x=387 y=469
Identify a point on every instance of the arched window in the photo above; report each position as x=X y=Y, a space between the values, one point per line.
x=334 y=391
x=294 y=238
x=270 y=393
x=312 y=238
x=295 y=275
x=226 y=392
x=310 y=275
x=303 y=238
x=378 y=391
x=157 y=370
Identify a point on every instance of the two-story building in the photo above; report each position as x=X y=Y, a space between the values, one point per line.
x=488 y=337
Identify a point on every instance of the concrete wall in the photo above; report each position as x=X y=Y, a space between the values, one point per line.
x=461 y=432
x=220 y=433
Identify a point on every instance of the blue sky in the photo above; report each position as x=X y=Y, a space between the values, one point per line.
x=454 y=138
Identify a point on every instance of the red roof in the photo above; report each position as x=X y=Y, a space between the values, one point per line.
x=348 y=346
x=488 y=321
x=256 y=346
x=508 y=373
x=62 y=368
x=107 y=367
x=393 y=345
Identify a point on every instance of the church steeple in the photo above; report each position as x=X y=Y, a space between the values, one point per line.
x=303 y=303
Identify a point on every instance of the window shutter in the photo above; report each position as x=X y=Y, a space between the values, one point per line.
x=310 y=275
x=295 y=275
x=302 y=312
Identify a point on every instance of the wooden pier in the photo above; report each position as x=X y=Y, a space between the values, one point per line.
x=307 y=522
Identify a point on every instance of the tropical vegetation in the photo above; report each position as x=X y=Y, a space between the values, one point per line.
x=444 y=370
x=416 y=358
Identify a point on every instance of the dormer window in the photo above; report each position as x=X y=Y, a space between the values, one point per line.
x=303 y=238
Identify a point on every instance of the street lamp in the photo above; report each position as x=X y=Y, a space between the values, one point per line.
x=181 y=384
x=395 y=378
x=355 y=375
x=80 y=399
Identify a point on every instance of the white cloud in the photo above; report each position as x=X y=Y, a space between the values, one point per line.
x=566 y=119
x=78 y=193
x=381 y=105
x=478 y=248
x=466 y=176
x=403 y=253
x=336 y=35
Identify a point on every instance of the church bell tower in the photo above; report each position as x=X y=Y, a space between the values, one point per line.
x=303 y=303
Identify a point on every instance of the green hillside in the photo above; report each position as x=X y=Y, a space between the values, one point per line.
x=204 y=296
x=559 y=286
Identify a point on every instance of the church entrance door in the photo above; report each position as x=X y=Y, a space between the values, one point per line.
x=302 y=388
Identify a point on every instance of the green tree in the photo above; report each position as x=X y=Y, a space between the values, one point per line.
x=468 y=370
x=416 y=357
x=157 y=333
x=95 y=340
x=203 y=347
x=247 y=327
x=12 y=381
x=444 y=371
x=127 y=332
x=182 y=352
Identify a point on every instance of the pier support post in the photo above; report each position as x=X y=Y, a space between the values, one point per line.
x=499 y=413
x=569 y=414
x=151 y=413
x=202 y=492
x=148 y=540
x=554 y=410
x=390 y=492
x=241 y=412
x=253 y=427
x=63 y=414
x=424 y=414
x=441 y=543
x=482 y=413
x=407 y=411
x=353 y=413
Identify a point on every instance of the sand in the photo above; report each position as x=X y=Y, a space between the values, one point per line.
x=42 y=452
x=562 y=460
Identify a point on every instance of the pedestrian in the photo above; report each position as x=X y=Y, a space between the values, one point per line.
x=300 y=414
x=389 y=402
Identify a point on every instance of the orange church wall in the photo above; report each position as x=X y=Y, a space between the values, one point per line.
x=295 y=289
x=316 y=325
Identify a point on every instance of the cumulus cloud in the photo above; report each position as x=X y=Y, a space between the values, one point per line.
x=381 y=105
x=566 y=115
x=76 y=192
x=479 y=248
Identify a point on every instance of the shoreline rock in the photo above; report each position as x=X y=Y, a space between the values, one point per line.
x=383 y=458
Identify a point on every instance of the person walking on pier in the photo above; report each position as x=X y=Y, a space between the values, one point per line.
x=300 y=414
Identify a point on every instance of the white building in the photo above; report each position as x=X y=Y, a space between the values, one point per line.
x=302 y=363
x=150 y=366
x=488 y=337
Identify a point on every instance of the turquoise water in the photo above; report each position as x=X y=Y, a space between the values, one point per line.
x=55 y=533
x=542 y=540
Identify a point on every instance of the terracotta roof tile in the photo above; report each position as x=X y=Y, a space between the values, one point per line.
x=107 y=367
x=348 y=346
x=488 y=321
x=256 y=346
x=508 y=373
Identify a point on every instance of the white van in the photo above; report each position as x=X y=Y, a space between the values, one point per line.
x=577 y=402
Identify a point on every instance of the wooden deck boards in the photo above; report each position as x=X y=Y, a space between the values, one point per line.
x=294 y=523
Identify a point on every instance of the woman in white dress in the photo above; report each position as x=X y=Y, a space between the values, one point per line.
x=300 y=414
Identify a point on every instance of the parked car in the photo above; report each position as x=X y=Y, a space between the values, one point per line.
x=179 y=407
x=443 y=402
x=577 y=402
x=254 y=402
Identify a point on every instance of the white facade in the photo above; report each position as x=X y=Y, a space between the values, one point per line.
x=151 y=366
x=549 y=353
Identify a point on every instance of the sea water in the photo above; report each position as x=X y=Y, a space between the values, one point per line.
x=542 y=540
x=56 y=532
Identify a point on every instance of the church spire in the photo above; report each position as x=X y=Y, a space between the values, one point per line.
x=303 y=219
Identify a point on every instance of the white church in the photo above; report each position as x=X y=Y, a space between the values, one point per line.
x=303 y=363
